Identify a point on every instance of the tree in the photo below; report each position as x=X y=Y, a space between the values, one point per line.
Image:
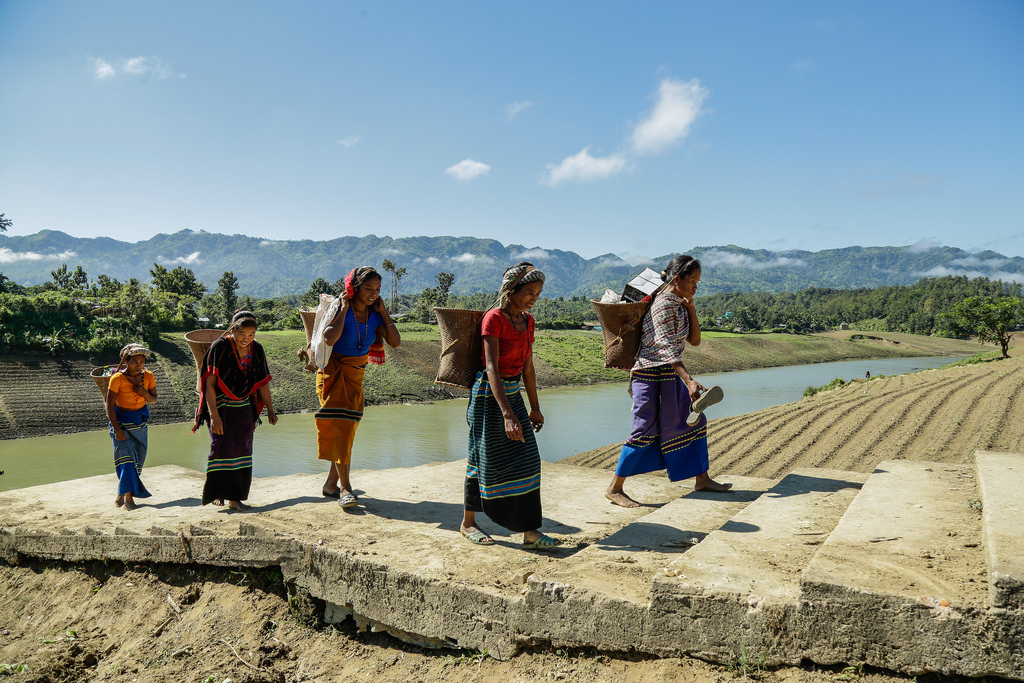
x=5 y=222
x=444 y=285
x=425 y=305
x=989 y=318
x=227 y=289
x=179 y=280
x=396 y=276
x=61 y=278
x=311 y=299
x=79 y=280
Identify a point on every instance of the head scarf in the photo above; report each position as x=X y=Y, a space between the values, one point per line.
x=519 y=274
x=353 y=281
x=130 y=350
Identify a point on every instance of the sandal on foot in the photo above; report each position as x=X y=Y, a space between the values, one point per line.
x=348 y=500
x=703 y=402
x=336 y=494
x=478 y=537
x=542 y=542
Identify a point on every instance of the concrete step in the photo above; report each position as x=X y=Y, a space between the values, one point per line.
x=905 y=565
x=623 y=563
x=1001 y=484
x=736 y=589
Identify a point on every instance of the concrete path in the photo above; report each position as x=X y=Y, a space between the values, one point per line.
x=889 y=569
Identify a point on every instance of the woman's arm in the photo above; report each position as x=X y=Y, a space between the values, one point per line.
x=695 y=387
x=388 y=331
x=333 y=332
x=141 y=390
x=513 y=429
x=112 y=416
x=530 y=380
x=210 y=392
x=265 y=396
x=693 y=336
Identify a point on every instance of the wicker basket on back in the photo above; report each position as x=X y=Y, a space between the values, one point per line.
x=306 y=353
x=200 y=341
x=621 y=325
x=461 y=346
x=102 y=380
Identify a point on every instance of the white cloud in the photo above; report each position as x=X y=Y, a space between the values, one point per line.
x=717 y=257
x=942 y=271
x=391 y=251
x=677 y=107
x=134 y=66
x=467 y=169
x=583 y=167
x=266 y=243
x=923 y=245
x=183 y=260
x=975 y=262
x=103 y=69
x=533 y=255
x=465 y=258
x=517 y=108
x=9 y=256
x=349 y=141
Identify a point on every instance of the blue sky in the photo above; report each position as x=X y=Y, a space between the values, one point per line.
x=637 y=128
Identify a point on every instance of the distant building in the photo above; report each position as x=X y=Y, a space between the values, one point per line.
x=844 y=326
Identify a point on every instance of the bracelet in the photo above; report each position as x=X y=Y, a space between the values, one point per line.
x=392 y=325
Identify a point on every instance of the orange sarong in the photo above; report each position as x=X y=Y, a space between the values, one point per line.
x=339 y=386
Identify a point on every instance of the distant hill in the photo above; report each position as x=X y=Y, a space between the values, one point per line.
x=268 y=268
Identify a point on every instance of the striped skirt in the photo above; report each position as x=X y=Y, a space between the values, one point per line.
x=502 y=475
x=661 y=439
x=339 y=386
x=130 y=454
x=229 y=466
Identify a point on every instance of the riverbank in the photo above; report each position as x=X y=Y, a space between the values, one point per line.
x=42 y=396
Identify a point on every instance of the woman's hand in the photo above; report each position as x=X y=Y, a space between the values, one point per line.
x=378 y=305
x=513 y=429
x=119 y=434
x=216 y=426
x=272 y=417
x=696 y=389
x=536 y=419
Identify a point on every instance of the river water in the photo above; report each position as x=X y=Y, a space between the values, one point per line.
x=577 y=419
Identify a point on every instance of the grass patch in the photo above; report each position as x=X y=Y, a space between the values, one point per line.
x=836 y=383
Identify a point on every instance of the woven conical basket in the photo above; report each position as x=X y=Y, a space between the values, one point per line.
x=200 y=341
x=621 y=327
x=101 y=382
x=308 y=317
x=461 y=346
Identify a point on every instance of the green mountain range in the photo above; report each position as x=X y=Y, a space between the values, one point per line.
x=277 y=267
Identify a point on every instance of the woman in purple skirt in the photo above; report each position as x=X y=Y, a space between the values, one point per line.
x=663 y=390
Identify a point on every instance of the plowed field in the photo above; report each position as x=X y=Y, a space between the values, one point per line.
x=939 y=415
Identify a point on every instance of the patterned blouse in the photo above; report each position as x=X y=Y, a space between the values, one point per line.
x=665 y=327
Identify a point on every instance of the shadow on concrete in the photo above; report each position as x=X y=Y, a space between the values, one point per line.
x=799 y=484
x=644 y=536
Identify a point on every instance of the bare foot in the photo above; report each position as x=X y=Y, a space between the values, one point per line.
x=119 y=501
x=238 y=505
x=130 y=505
x=621 y=499
x=219 y=502
x=711 y=485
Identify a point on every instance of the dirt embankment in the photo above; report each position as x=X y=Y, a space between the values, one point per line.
x=148 y=624
x=40 y=395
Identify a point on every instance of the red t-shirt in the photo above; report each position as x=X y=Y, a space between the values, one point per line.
x=513 y=345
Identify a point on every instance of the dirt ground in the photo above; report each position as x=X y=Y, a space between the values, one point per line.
x=97 y=622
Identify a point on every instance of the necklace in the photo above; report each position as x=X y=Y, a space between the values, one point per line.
x=360 y=338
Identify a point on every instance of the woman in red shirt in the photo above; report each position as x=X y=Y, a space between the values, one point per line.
x=503 y=466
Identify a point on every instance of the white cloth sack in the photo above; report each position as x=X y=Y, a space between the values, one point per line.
x=325 y=312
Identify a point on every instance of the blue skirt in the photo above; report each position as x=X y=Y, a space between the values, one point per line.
x=661 y=439
x=130 y=454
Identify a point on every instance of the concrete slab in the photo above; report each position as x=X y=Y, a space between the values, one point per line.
x=737 y=590
x=1001 y=483
x=905 y=565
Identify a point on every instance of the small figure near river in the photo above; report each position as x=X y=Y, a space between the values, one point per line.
x=503 y=466
x=130 y=392
x=663 y=391
x=235 y=384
